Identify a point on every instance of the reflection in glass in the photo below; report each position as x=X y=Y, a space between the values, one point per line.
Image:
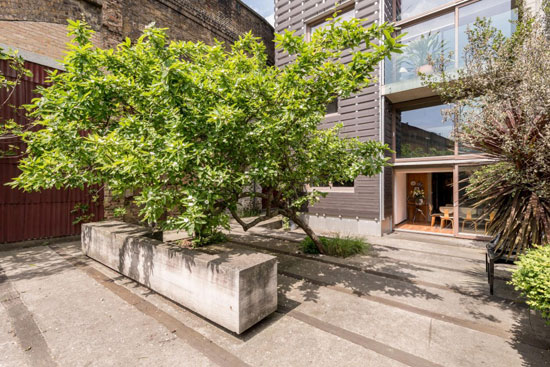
x=422 y=133
x=410 y=8
x=500 y=12
x=426 y=42
x=472 y=218
x=343 y=16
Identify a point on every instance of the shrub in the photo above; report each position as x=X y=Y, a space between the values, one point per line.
x=532 y=278
x=337 y=246
x=212 y=239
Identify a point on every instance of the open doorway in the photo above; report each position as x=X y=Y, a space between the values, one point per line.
x=423 y=201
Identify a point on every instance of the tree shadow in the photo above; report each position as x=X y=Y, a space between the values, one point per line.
x=391 y=279
x=306 y=276
x=531 y=339
x=31 y=263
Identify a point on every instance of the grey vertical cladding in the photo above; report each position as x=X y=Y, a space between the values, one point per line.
x=388 y=171
x=359 y=114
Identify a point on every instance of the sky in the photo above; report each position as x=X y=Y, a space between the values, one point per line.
x=263 y=7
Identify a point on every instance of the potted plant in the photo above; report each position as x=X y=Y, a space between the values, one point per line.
x=418 y=55
x=418 y=195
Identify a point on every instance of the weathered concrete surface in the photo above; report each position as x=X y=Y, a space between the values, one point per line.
x=335 y=316
x=234 y=289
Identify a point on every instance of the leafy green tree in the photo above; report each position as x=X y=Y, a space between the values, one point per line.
x=501 y=105
x=190 y=127
x=9 y=129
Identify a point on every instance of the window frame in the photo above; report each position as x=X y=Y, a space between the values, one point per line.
x=453 y=7
x=330 y=188
x=417 y=104
x=432 y=13
x=321 y=18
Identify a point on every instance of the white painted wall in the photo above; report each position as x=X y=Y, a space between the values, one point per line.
x=399 y=196
x=348 y=226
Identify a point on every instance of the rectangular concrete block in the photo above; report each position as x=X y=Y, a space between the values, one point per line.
x=233 y=288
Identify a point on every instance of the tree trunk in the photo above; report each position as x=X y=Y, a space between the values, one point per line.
x=316 y=240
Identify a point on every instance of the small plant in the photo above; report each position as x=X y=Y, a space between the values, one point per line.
x=212 y=239
x=286 y=224
x=336 y=246
x=81 y=211
x=247 y=213
x=532 y=278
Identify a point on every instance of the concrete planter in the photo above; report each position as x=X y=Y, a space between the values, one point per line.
x=233 y=288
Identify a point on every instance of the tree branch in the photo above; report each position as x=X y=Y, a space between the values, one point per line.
x=247 y=226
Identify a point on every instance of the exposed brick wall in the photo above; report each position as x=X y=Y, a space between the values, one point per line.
x=29 y=36
x=52 y=11
x=190 y=20
x=197 y=20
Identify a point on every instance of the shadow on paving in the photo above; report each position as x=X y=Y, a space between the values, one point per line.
x=309 y=275
x=16 y=263
x=528 y=330
x=355 y=280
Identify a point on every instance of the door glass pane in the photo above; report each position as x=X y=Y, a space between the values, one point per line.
x=410 y=8
x=472 y=218
x=422 y=133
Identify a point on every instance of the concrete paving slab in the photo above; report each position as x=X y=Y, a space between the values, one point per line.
x=268 y=343
x=416 y=334
x=329 y=315
x=478 y=309
x=12 y=354
x=83 y=324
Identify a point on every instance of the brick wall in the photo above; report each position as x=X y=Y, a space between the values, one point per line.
x=29 y=36
x=190 y=20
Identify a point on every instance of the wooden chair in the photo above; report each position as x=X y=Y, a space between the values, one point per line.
x=432 y=215
x=446 y=217
x=490 y=219
x=469 y=218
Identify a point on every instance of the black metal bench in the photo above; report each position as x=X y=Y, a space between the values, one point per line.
x=494 y=255
x=490 y=257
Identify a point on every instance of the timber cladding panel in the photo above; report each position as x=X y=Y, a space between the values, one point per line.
x=359 y=114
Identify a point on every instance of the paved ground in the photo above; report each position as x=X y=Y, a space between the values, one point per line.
x=411 y=302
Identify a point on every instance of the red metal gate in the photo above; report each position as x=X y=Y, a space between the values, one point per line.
x=49 y=213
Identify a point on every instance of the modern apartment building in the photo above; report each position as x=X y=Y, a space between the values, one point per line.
x=422 y=190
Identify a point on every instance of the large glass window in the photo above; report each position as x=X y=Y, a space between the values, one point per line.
x=422 y=133
x=429 y=38
x=426 y=42
x=410 y=8
x=472 y=216
x=500 y=12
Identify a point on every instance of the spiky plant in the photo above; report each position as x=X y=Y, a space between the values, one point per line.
x=501 y=104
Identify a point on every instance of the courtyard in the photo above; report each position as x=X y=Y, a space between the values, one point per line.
x=412 y=300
